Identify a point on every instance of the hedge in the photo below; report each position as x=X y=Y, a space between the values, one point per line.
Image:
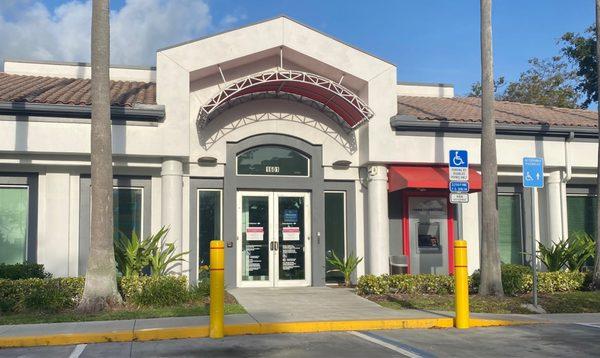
x=423 y=283
x=23 y=271
x=36 y=294
x=516 y=280
x=56 y=294
x=155 y=291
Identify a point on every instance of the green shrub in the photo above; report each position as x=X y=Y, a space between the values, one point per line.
x=155 y=290
x=35 y=294
x=555 y=255
x=23 y=271
x=345 y=266
x=373 y=285
x=135 y=257
x=518 y=280
x=561 y=281
x=422 y=283
x=581 y=250
x=202 y=288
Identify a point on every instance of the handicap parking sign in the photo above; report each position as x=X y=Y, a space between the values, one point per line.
x=458 y=165
x=458 y=159
x=533 y=172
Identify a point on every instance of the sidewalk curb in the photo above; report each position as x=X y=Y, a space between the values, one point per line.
x=154 y=334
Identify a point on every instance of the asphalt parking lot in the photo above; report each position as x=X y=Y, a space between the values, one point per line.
x=542 y=340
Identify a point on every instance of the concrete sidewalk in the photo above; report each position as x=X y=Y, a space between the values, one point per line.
x=270 y=311
x=299 y=304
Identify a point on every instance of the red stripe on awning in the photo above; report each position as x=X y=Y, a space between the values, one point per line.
x=423 y=177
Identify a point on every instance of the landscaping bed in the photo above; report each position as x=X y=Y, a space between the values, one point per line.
x=198 y=307
x=559 y=302
x=29 y=295
x=559 y=292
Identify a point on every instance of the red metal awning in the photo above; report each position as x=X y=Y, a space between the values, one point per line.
x=346 y=105
x=423 y=177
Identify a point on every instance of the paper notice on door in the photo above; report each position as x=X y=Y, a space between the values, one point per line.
x=291 y=233
x=255 y=234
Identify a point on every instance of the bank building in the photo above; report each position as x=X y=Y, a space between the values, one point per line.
x=287 y=144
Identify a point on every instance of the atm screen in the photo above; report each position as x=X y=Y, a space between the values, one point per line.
x=429 y=235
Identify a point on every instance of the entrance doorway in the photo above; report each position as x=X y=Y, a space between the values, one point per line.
x=273 y=231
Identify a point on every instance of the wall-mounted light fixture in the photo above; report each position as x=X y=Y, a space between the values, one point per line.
x=207 y=161
x=341 y=164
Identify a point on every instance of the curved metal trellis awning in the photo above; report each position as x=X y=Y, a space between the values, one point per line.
x=331 y=97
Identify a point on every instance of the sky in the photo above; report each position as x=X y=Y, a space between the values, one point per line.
x=428 y=40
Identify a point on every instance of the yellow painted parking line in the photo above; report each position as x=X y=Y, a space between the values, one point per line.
x=152 y=334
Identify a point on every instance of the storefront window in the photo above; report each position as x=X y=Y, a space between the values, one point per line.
x=272 y=160
x=335 y=231
x=581 y=214
x=510 y=228
x=14 y=207
x=209 y=222
x=127 y=211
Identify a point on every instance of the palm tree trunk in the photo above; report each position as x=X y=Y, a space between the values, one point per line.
x=491 y=280
x=596 y=278
x=100 y=290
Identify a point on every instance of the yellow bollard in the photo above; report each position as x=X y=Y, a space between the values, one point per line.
x=461 y=284
x=217 y=288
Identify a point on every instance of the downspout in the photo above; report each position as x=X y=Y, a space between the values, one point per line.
x=563 y=187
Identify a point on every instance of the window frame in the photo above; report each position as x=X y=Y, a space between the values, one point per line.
x=308 y=163
x=519 y=194
x=125 y=181
x=578 y=192
x=141 y=188
x=198 y=190
x=29 y=180
x=27 y=234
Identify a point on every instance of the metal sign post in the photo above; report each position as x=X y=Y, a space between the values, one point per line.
x=533 y=178
x=458 y=173
x=533 y=248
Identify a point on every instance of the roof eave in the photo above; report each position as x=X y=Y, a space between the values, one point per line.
x=411 y=123
x=139 y=112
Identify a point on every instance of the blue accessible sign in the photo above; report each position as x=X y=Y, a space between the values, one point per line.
x=458 y=165
x=459 y=187
x=533 y=172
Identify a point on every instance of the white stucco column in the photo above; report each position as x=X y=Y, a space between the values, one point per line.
x=172 y=199
x=378 y=244
x=554 y=207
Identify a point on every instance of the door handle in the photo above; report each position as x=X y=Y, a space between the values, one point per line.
x=271 y=245
x=276 y=245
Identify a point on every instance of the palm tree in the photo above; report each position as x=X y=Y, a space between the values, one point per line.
x=100 y=290
x=596 y=278
x=491 y=279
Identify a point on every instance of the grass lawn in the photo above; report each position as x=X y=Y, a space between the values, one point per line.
x=199 y=309
x=563 y=302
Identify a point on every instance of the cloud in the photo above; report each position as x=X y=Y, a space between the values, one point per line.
x=138 y=29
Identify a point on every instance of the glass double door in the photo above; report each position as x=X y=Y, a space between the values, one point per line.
x=274 y=233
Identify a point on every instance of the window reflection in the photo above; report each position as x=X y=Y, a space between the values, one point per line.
x=272 y=160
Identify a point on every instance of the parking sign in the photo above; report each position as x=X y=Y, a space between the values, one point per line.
x=458 y=165
x=533 y=172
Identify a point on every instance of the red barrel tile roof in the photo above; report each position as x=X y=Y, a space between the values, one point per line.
x=57 y=90
x=461 y=109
